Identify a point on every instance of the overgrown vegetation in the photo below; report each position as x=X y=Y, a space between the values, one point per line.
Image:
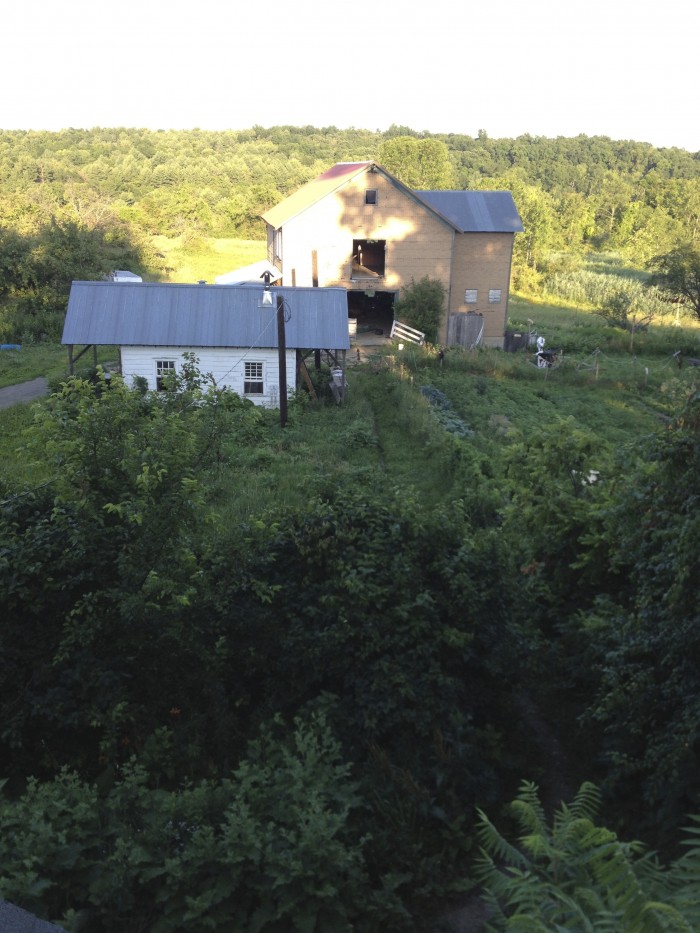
x=270 y=679
x=393 y=588
x=420 y=306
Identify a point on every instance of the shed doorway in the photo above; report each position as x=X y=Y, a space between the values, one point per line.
x=373 y=311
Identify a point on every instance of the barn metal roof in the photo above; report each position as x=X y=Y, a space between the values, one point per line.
x=476 y=211
x=466 y=211
x=313 y=191
x=154 y=314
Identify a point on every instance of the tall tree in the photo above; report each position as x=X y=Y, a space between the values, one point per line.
x=677 y=274
x=418 y=163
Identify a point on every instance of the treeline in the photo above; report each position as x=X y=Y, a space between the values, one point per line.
x=108 y=192
x=218 y=183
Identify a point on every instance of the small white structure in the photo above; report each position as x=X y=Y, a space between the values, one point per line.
x=250 y=275
x=232 y=335
x=121 y=275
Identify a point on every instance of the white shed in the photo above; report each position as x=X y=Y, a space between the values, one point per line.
x=229 y=330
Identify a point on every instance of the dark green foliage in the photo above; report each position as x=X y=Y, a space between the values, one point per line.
x=421 y=306
x=460 y=607
x=650 y=698
x=113 y=563
x=388 y=616
x=166 y=637
x=271 y=847
x=444 y=412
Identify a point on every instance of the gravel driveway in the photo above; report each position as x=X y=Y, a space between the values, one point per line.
x=24 y=392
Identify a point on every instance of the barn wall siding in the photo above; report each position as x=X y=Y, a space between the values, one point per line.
x=482 y=262
x=417 y=243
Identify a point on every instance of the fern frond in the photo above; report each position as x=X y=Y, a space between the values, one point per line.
x=683 y=877
x=529 y=810
x=586 y=803
x=539 y=847
x=666 y=918
x=493 y=844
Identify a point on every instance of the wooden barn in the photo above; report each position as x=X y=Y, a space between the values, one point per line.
x=358 y=227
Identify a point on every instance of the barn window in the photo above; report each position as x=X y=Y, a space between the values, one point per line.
x=253 y=381
x=470 y=296
x=164 y=369
x=277 y=245
x=371 y=196
x=494 y=296
x=368 y=258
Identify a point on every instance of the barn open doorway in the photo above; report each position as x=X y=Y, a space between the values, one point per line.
x=373 y=311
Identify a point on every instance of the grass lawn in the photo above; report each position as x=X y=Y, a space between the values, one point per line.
x=194 y=260
x=46 y=359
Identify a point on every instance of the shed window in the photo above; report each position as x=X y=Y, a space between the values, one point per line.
x=494 y=296
x=470 y=296
x=253 y=381
x=371 y=196
x=164 y=369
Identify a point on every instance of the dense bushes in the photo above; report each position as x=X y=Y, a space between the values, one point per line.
x=270 y=847
x=291 y=717
x=173 y=641
x=421 y=306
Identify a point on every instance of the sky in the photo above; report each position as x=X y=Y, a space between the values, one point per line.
x=626 y=69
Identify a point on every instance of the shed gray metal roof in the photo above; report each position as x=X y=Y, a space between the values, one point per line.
x=167 y=315
x=15 y=920
x=476 y=211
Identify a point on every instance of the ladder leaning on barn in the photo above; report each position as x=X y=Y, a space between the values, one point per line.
x=401 y=331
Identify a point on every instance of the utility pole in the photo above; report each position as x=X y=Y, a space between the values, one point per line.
x=266 y=302
x=282 y=350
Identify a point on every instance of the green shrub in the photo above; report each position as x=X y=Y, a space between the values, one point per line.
x=272 y=848
x=422 y=305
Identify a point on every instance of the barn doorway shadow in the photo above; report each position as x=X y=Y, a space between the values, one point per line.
x=372 y=310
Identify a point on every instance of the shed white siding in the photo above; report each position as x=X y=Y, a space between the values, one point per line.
x=227 y=366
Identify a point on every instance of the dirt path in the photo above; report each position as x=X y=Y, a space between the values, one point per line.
x=24 y=392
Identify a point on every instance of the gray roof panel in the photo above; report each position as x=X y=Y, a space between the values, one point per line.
x=476 y=211
x=167 y=315
x=15 y=920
